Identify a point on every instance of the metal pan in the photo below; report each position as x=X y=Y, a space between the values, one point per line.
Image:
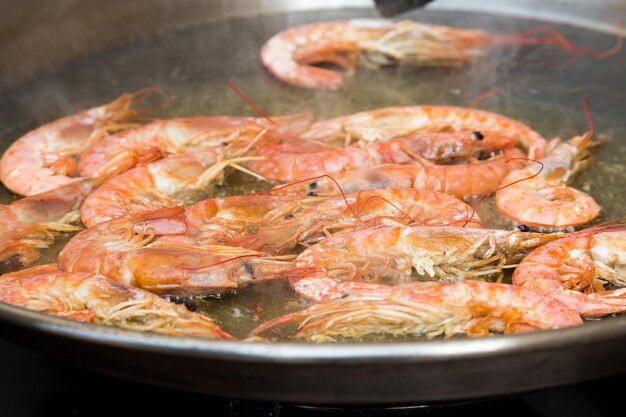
x=223 y=47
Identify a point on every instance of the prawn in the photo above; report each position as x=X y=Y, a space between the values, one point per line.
x=45 y=158
x=306 y=222
x=179 y=136
x=289 y=54
x=472 y=308
x=461 y=180
x=393 y=122
x=168 y=182
x=283 y=166
x=176 y=251
x=576 y=269
x=544 y=200
x=90 y=297
x=399 y=254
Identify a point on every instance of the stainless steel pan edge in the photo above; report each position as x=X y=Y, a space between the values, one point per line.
x=379 y=373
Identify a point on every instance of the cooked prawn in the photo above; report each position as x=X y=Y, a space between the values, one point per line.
x=176 y=251
x=399 y=254
x=473 y=308
x=288 y=54
x=461 y=180
x=309 y=221
x=544 y=200
x=394 y=122
x=45 y=158
x=178 y=136
x=576 y=268
x=94 y=298
x=278 y=164
x=168 y=182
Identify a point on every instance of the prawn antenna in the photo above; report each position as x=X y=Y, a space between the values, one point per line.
x=141 y=96
x=554 y=37
x=588 y=116
x=250 y=103
x=480 y=197
x=483 y=97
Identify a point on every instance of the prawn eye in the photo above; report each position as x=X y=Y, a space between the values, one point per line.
x=523 y=228
x=478 y=135
x=191 y=305
x=289 y=217
x=313 y=185
x=312 y=194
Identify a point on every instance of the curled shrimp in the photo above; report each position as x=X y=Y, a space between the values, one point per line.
x=94 y=298
x=288 y=54
x=576 y=269
x=178 y=136
x=543 y=199
x=308 y=221
x=176 y=251
x=461 y=180
x=399 y=254
x=45 y=158
x=472 y=308
x=284 y=165
x=394 y=122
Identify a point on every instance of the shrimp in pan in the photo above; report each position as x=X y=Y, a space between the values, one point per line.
x=94 y=298
x=575 y=269
x=471 y=308
x=277 y=164
x=399 y=254
x=308 y=221
x=395 y=122
x=176 y=251
x=288 y=54
x=184 y=135
x=168 y=182
x=45 y=158
x=543 y=199
x=461 y=180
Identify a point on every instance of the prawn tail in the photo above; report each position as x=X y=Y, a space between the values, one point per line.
x=604 y=303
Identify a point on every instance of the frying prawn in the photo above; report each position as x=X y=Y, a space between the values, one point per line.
x=399 y=254
x=45 y=158
x=544 y=199
x=277 y=164
x=461 y=180
x=287 y=55
x=309 y=221
x=176 y=251
x=168 y=182
x=472 y=308
x=394 y=122
x=94 y=298
x=576 y=269
x=179 y=136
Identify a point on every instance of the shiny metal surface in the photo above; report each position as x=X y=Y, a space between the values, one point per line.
x=388 y=373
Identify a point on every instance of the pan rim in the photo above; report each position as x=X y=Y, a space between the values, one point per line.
x=302 y=353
